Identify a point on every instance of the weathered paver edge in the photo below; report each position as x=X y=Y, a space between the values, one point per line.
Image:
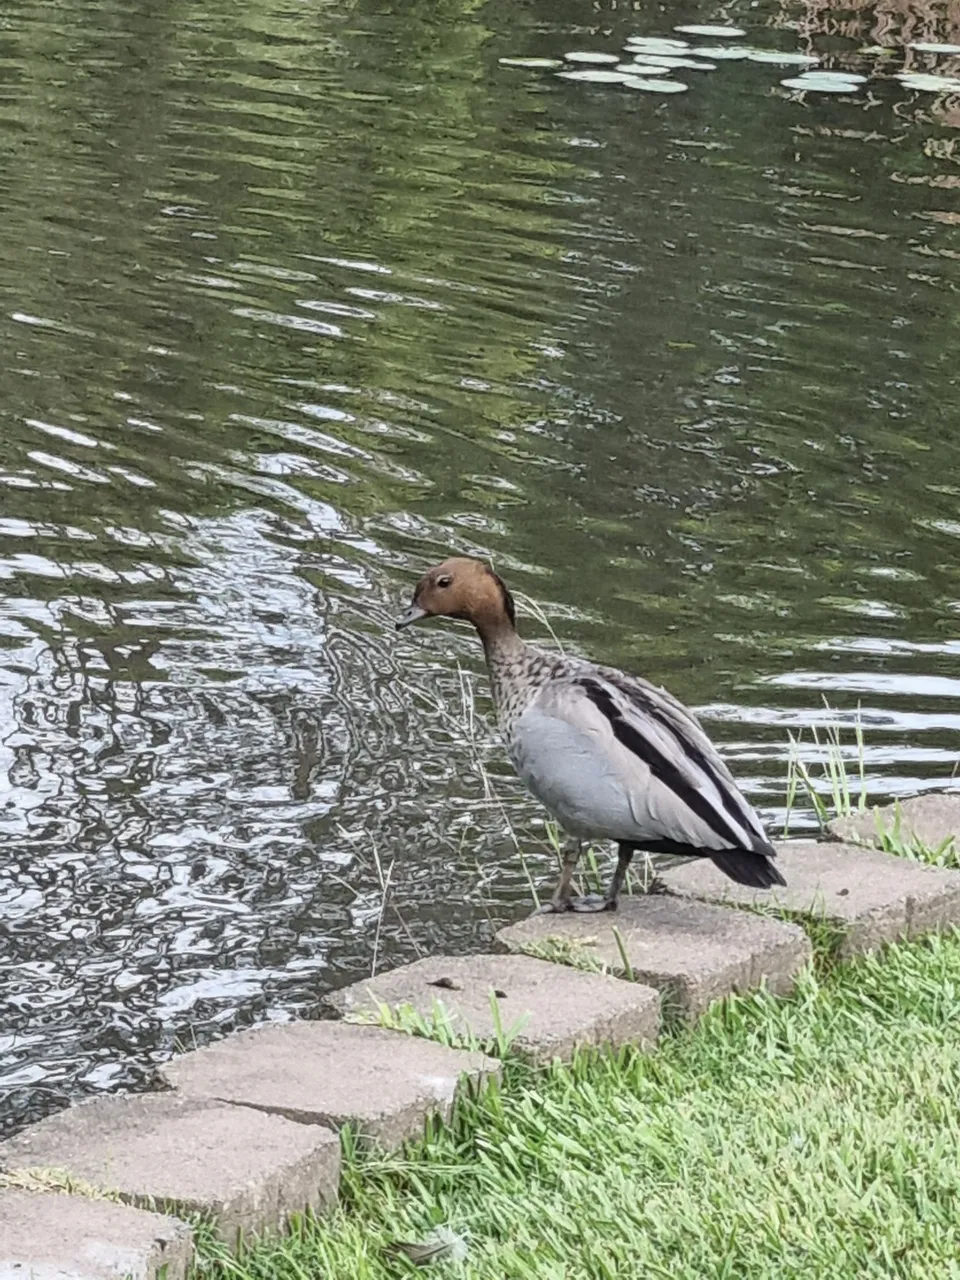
x=552 y=1010
x=866 y=897
x=64 y=1226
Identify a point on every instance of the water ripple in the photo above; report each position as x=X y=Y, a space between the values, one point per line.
x=328 y=294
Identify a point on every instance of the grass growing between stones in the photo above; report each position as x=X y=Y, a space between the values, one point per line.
x=812 y=1136
x=834 y=783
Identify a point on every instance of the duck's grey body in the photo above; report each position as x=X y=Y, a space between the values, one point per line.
x=615 y=758
x=563 y=745
x=610 y=755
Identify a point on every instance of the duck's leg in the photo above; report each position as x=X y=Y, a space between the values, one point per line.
x=563 y=899
x=608 y=901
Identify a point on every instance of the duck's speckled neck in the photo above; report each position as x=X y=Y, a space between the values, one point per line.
x=517 y=671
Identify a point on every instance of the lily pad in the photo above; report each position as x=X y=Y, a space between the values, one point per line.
x=641 y=69
x=722 y=52
x=654 y=86
x=585 y=56
x=654 y=44
x=817 y=83
x=926 y=46
x=782 y=58
x=695 y=29
x=533 y=64
x=929 y=83
x=848 y=77
x=594 y=75
x=669 y=60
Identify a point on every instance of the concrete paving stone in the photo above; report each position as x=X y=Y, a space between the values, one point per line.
x=382 y=1082
x=930 y=819
x=692 y=953
x=48 y=1236
x=562 y=1008
x=874 y=897
x=248 y=1170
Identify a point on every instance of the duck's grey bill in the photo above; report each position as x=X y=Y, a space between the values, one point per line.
x=412 y=613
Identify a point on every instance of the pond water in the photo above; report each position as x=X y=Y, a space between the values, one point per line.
x=299 y=297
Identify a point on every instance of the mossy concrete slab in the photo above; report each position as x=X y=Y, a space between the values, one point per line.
x=692 y=953
x=556 y=1009
x=931 y=820
x=49 y=1236
x=382 y=1083
x=247 y=1170
x=873 y=897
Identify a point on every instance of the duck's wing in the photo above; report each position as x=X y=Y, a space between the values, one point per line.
x=618 y=757
x=655 y=728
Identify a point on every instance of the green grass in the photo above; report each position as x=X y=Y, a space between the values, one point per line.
x=836 y=786
x=808 y=1137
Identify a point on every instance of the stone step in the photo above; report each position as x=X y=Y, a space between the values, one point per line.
x=691 y=952
x=247 y=1170
x=873 y=897
x=333 y=1073
x=49 y=1236
x=930 y=819
x=561 y=1008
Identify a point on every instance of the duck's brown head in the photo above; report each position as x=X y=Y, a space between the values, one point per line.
x=462 y=588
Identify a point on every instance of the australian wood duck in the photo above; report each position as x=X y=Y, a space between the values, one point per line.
x=610 y=755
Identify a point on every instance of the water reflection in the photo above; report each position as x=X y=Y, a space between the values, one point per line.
x=299 y=300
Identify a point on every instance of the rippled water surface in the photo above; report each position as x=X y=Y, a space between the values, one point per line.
x=298 y=298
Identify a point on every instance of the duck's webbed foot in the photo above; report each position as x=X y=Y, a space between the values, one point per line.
x=593 y=902
x=555 y=906
x=563 y=899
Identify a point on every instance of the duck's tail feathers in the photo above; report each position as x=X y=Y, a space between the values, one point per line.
x=756 y=870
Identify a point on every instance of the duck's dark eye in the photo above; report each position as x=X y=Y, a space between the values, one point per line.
x=445 y=581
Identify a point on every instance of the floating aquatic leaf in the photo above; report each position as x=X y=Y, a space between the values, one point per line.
x=641 y=69
x=654 y=86
x=929 y=83
x=594 y=76
x=654 y=44
x=694 y=29
x=532 y=63
x=782 y=58
x=925 y=46
x=584 y=56
x=849 y=77
x=722 y=52
x=816 y=83
x=670 y=60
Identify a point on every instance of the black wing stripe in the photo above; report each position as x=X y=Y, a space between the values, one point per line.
x=661 y=768
x=730 y=801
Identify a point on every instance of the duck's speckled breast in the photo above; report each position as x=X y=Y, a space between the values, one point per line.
x=516 y=678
